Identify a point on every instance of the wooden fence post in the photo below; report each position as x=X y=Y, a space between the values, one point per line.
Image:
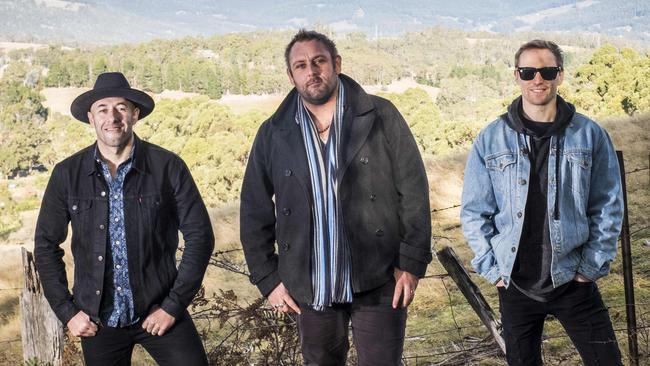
x=42 y=332
x=628 y=277
x=457 y=272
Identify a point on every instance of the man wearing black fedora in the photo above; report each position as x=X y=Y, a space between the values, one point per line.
x=126 y=200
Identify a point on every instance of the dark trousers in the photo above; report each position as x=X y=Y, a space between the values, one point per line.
x=181 y=345
x=377 y=330
x=579 y=309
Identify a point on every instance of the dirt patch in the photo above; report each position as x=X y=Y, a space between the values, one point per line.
x=6 y=47
x=58 y=100
x=400 y=86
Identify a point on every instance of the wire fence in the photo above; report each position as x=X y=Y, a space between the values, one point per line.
x=469 y=343
x=237 y=331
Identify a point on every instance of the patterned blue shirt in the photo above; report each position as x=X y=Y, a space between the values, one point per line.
x=118 y=309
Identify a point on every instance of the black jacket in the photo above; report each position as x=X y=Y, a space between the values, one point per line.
x=160 y=198
x=383 y=191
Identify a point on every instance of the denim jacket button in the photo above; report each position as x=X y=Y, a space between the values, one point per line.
x=287 y=173
x=379 y=232
x=103 y=194
x=100 y=258
x=101 y=227
x=286 y=211
x=74 y=207
x=513 y=249
x=364 y=160
x=97 y=292
x=519 y=214
x=522 y=182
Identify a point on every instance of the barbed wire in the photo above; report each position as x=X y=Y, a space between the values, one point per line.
x=636 y=231
x=446 y=208
x=637 y=170
x=10 y=340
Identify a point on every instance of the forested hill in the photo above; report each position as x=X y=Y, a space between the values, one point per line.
x=86 y=21
x=461 y=81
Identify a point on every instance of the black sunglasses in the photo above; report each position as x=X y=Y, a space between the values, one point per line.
x=547 y=73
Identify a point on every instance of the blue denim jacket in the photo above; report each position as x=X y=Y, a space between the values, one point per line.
x=494 y=197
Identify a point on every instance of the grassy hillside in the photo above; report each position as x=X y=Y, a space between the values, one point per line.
x=457 y=82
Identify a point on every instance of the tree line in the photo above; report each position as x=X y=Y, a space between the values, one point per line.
x=214 y=140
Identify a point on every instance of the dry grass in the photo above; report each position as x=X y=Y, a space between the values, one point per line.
x=431 y=310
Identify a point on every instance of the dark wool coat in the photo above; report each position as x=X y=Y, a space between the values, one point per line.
x=383 y=192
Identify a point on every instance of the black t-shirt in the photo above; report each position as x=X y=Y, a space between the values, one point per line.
x=531 y=273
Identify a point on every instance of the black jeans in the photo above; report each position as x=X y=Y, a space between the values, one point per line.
x=377 y=330
x=181 y=345
x=579 y=309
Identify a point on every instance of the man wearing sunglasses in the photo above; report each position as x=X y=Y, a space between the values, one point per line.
x=542 y=211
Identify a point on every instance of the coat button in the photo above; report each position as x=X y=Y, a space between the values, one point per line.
x=286 y=211
x=287 y=173
x=285 y=247
x=522 y=182
x=364 y=160
x=101 y=227
x=74 y=207
x=100 y=258
x=519 y=214
x=98 y=292
x=373 y=197
x=103 y=194
x=513 y=249
x=379 y=232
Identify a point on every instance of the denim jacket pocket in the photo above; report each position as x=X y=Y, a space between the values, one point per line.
x=80 y=213
x=580 y=165
x=151 y=205
x=501 y=167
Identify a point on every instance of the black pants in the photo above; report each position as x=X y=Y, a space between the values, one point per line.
x=181 y=345
x=377 y=330
x=579 y=309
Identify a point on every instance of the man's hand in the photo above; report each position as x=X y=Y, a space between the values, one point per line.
x=580 y=278
x=158 y=321
x=405 y=285
x=81 y=326
x=501 y=284
x=281 y=301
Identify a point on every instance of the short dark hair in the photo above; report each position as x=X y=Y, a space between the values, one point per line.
x=304 y=35
x=544 y=45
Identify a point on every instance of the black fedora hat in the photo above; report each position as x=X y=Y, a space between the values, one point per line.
x=111 y=84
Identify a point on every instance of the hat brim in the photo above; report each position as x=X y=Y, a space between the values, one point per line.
x=81 y=105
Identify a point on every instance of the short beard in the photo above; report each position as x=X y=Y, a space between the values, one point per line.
x=320 y=100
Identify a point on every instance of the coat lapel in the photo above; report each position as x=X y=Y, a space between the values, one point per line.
x=355 y=133
x=293 y=151
x=358 y=120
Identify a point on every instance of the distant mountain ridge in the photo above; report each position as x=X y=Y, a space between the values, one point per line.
x=122 y=21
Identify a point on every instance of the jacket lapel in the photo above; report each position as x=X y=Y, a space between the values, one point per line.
x=355 y=133
x=357 y=122
x=293 y=152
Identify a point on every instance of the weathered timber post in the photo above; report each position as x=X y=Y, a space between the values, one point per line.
x=42 y=332
x=457 y=272
x=628 y=278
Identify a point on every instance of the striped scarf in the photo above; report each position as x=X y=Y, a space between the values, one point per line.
x=331 y=263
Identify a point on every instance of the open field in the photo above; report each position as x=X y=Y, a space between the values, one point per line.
x=440 y=320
